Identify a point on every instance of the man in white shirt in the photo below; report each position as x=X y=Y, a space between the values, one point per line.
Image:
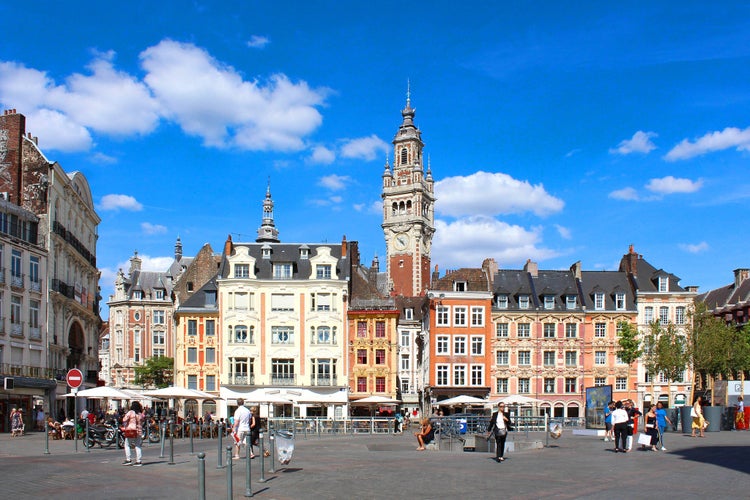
x=241 y=426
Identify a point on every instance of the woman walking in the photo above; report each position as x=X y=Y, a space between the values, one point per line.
x=661 y=422
x=620 y=424
x=132 y=427
x=499 y=426
x=651 y=428
x=699 y=423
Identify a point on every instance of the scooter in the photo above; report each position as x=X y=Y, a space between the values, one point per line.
x=105 y=436
x=151 y=431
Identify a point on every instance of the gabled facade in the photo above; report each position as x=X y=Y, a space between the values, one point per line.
x=412 y=332
x=460 y=334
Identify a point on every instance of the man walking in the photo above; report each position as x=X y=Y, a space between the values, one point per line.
x=241 y=426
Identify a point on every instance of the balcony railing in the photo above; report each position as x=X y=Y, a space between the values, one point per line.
x=16 y=280
x=322 y=380
x=2 y=275
x=11 y=370
x=283 y=379
x=241 y=379
x=16 y=329
x=60 y=230
x=246 y=340
x=36 y=286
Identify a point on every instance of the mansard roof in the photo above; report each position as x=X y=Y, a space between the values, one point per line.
x=197 y=301
x=608 y=283
x=730 y=295
x=475 y=279
x=289 y=253
x=147 y=282
x=647 y=277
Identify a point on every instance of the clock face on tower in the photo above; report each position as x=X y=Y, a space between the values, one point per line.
x=401 y=241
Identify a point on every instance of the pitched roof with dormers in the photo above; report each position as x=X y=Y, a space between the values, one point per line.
x=475 y=280
x=609 y=283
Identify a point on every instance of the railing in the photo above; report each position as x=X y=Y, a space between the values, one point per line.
x=241 y=379
x=322 y=380
x=16 y=280
x=60 y=230
x=2 y=275
x=8 y=369
x=36 y=286
x=16 y=329
x=248 y=340
x=284 y=379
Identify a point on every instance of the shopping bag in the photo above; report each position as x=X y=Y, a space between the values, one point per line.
x=644 y=439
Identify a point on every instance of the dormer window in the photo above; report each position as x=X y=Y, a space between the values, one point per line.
x=159 y=294
x=620 y=301
x=571 y=302
x=502 y=301
x=137 y=294
x=266 y=253
x=282 y=271
x=663 y=284
x=408 y=313
x=304 y=253
x=323 y=271
x=599 y=301
x=523 y=301
x=210 y=298
x=549 y=301
x=242 y=270
x=459 y=286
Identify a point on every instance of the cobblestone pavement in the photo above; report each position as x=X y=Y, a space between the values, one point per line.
x=342 y=467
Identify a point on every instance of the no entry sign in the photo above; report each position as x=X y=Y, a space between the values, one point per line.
x=74 y=378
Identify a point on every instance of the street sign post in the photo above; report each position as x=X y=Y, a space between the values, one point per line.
x=74 y=378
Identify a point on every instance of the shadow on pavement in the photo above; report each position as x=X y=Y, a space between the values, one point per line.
x=730 y=457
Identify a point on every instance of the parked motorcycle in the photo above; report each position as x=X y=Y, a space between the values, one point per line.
x=105 y=436
x=151 y=431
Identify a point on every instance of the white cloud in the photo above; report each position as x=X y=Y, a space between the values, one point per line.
x=149 y=228
x=467 y=242
x=322 y=155
x=334 y=182
x=257 y=42
x=639 y=143
x=119 y=201
x=364 y=148
x=730 y=137
x=491 y=194
x=563 y=231
x=251 y=115
x=103 y=159
x=627 y=193
x=694 y=247
x=669 y=185
x=57 y=131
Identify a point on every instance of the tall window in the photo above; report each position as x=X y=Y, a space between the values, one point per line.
x=679 y=315
x=477 y=345
x=158 y=338
x=663 y=284
x=210 y=383
x=600 y=357
x=361 y=329
x=620 y=301
x=502 y=301
x=361 y=384
x=443 y=316
x=362 y=356
x=405 y=362
x=648 y=314
x=524 y=386
x=663 y=315
x=501 y=386
x=600 y=330
x=502 y=358
x=192 y=355
x=477 y=375
x=242 y=270
x=34 y=271
x=477 y=316
x=599 y=301
x=15 y=263
x=571 y=330
x=571 y=358
x=409 y=313
x=405 y=339
x=549 y=385
x=549 y=358
x=192 y=327
x=379 y=384
x=570 y=384
x=571 y=301
x=282 y=371
x=524 y=358
x=323 y=335
x=240 y=334
x=15 y=312
x=192 y=382
x=158 y=317
x=442 y=346
x=210 y=327
x=524 y=330
x=459 y=316
x=380 y=329
x=210 y=355
x=501 y=330
x=523 y=301
x=621 y=384
x=379 y=356
x=549 y=330
x=441 y=374
x=549 y=301
x=34 y=332
x=459 y=375
x=459 y=345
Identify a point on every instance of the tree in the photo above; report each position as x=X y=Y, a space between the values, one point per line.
x=710 y=345
x=157 y=371
x=630 y=345
x=665 y=351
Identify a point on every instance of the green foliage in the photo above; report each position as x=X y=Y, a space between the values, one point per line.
x=718 y=348
x=665 y=351
x=630 y=344
x=155 y=372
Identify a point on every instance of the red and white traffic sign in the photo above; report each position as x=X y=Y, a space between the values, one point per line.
x=74 y=378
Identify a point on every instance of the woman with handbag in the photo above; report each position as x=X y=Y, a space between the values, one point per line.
x=651 y=427
x=499 y=426
x=698 y=423
x=132 y=426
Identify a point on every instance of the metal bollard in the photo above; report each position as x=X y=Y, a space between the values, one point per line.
x=271 y=444
x=262 y=459
x=221 y=450
x=171 y=443
x=46 y=439
x=248 y=448
x=201 y=476
x=546 y=430
x=86 y=441
x=163 y=432
x=192 y=450
x=229 y=472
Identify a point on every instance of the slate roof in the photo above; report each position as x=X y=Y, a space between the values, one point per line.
x=197 y=301
x=647 y=278
x=147 y=282
x=609 y=283
x=475 y=279
x=726 y=295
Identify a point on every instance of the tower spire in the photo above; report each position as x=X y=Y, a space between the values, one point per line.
x=408 y=93
x=267 y=231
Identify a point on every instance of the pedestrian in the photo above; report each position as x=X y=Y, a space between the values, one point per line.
x=132 y=423
x=609 y=434
x=661 y=422
x=499 y=426
x=240 y=427
x=620 y=426
x=651 y=427
x=16 y=423
x=254 y=430
x=398 y=420
x=739 y=415
x=426 y=434
x=698 y=423
x=633 y=414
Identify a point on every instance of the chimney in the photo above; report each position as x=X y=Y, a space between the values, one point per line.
x=228 y=247
x=490 y=268
x=343 y=247
x=435 y=274
x=532 y=268
x=740 y=275
x=692 y=288
x=576 y=269
x=135 y=263
x=629 y=262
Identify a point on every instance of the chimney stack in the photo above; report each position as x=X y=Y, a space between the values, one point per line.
x=228 y=246
x=532 y=268
x=740 y=275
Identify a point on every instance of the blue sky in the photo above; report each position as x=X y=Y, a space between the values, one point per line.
x=556 y=131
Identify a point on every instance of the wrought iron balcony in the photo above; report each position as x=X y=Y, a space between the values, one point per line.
x=240 y=379
x=283 y=379
x=323 y=380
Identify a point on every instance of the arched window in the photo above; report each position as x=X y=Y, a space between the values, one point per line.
x=408 y=207
x=401 y=208
x=240 y=334
x=404 y=156
x=394 y=208
x=324 y=335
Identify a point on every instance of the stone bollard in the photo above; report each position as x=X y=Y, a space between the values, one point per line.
x=271 y=444
x=171 y=443
x=163 y=432
x=201 y=476
x=229 y=472
x=192 y=449
x=86 y=439
x=46 y=439
x=262 y=459
x=248 y=448
x=221 y=450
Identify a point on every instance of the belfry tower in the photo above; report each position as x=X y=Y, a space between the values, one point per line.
x=408 y=210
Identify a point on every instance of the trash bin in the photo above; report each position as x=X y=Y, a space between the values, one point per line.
x=713 y=414
x=284 y=446
x=462 y=425
x=672 y=415
x=686 y=419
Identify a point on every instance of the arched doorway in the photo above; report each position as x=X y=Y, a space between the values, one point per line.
x=76 y=345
